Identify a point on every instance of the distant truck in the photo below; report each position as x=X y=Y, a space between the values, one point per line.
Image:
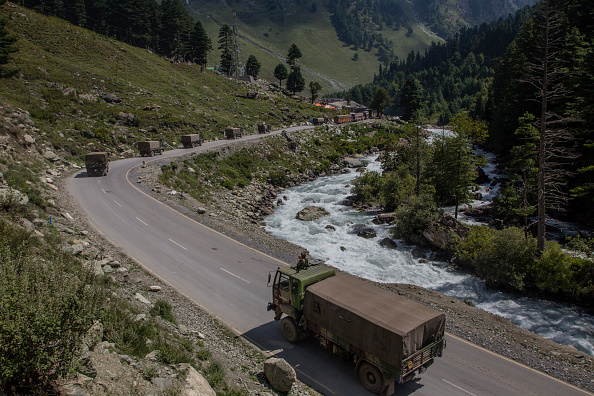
x=342 y=118
x=233 y=133
x=97 y=163
x=263 y=128
x=192 y=140
x=319 y=121
x=388 y=337
x=150 y=147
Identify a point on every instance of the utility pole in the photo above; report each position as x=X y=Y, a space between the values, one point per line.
x=237 y=63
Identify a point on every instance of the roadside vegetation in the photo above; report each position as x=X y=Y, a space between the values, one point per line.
x=277 y=160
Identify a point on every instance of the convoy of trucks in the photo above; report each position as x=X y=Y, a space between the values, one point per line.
x=192 y=140
x=388 y=337
x=97 y=163
x=150 y=147
x=233 y=133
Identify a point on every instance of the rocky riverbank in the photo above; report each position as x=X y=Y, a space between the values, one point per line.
x=228 y=211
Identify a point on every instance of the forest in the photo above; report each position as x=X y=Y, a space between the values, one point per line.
x=164 y=27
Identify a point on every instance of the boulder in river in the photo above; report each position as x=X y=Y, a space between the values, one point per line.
x=311 y=213
x=441 y=233
x=363 y=231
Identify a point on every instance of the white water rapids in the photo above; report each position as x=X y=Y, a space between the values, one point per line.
x=367 y=259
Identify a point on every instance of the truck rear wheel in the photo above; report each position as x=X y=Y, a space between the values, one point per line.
x=289 y=329
x=371 y=378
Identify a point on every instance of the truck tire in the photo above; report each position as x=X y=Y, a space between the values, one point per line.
x=371 y=378
x=289 y=329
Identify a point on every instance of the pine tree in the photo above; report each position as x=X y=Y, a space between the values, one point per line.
x=252 y=66
x=295 y=81
x=411 y=98
x=281 y=73
x=200 y=45
x=6 y=48
x=226 y=47
x=292 y=55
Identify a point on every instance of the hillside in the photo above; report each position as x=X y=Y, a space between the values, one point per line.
x=445 y=18
x=82 y=88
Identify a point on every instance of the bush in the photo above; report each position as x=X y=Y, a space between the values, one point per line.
x=413 y=217
x=163 y=309
x=501 y=257
x=173 y=351
x=203 y=354
x=366 y=188
x=279 y=178
x=215 y=375
x=47 y=303
x=129 y=335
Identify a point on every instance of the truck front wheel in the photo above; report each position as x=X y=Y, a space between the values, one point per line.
x=289 y=329
x=371 y=378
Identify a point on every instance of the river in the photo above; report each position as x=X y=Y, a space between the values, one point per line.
x=367 y=259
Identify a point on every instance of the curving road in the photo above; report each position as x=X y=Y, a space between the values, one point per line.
x=228 y=279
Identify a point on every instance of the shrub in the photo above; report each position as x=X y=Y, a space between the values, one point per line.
x=173 y=351
x=203 y=354
x=366 y=188
x=501 y=257
x=413 y=217
x=163 y=309
x=47 y=302
x=215 y=375
x=279 y=178
x=120 y=327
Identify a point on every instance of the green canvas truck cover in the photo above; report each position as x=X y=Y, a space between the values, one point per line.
x=374 y=320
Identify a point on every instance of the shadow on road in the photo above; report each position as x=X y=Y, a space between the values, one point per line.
x=316 y=366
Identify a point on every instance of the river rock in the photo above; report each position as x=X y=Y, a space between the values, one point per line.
x=353 y=162
x=441 y=233
x=362 y=231
x=388 y=243
x=280 y=374
x=311 y=213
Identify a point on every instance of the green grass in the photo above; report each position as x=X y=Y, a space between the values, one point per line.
x=313 y=33
x=54 y=55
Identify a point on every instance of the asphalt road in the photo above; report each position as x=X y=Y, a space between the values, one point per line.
x=229 y=280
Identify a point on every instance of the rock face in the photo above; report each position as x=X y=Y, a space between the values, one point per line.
x=280 y=374
x=441 y=233
x=311 y=213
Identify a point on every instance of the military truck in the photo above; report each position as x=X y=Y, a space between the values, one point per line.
x=192 y=140
x=388 y=337
x=319 y=121
x=233 y=133
x=97 y=163
x=263 y=128
x=150 y=147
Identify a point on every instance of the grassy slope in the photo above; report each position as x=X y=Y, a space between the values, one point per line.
x=313 y=33
x=54 y=55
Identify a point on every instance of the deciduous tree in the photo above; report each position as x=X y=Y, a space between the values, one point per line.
x=314 y=88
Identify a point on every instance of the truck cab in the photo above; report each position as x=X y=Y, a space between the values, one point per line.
x=288 y=288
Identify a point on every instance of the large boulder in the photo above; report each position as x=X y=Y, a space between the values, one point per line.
x=196 y=384
x=311 y=213
x=445 y=230
x=353 y=162
x=280 y=374
x=10 y=195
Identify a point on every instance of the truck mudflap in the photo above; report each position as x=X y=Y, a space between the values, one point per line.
x=421 y=360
